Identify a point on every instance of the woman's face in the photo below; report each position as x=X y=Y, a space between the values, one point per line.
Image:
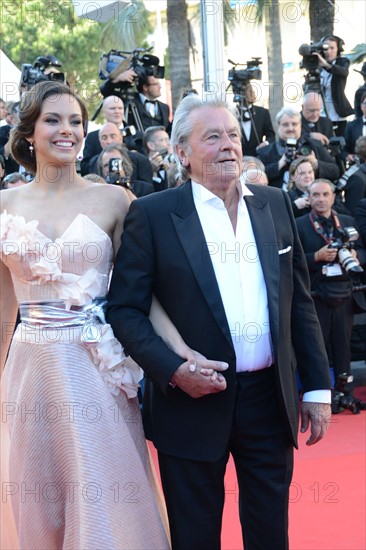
x=332 y=52
x=58 y=133
x=304 y=176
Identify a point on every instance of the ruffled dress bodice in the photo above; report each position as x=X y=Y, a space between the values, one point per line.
x=73 y=268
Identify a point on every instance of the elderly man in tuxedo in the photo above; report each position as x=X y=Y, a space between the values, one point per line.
x=225 y=262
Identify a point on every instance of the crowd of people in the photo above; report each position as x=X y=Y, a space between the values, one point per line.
x=238 y=245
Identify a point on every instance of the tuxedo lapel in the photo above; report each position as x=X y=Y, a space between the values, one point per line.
x=265 y=234
x=191 y=236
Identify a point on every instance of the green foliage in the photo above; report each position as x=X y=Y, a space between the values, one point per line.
x=32 y=28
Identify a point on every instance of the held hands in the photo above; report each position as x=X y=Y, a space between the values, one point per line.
x=318 y=415
x=199 y=376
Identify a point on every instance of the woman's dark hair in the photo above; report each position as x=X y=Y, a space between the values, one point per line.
x=30 y=110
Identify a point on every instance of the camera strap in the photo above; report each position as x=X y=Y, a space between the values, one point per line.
x=318 y=227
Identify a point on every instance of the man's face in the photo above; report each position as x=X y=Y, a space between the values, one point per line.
x=363 y=107
x=311 y=109
x=160 y=142
x=321 y=198
x=109 y=133
x=152 y=90
x=289 y=127
x=105 y=162
x=249 y=94
x=2 y=110
x=332 y=52
x=213 y=155
x=113 y=110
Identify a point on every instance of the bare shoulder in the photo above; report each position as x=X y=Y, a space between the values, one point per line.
x=112 y=196
x=11 y=200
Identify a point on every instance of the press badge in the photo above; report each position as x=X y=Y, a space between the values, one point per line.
x=332 y=270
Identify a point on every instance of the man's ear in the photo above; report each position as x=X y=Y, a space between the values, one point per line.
x=182 y=155
x=151 y=145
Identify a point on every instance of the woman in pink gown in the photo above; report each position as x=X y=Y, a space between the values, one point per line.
x=76 y=472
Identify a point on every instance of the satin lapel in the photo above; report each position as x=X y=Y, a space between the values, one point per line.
x=191 y=236
x=265 y=236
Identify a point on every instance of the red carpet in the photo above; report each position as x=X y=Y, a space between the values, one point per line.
x=327 y=498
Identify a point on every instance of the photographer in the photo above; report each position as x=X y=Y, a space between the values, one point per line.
x=109 y=133
x=256 y=123
x=355 y=188
x=278 y=156
x=333 y=77
x=158 y=149
x=152 y=112
x=115 y=166
x=301 y=176
x=355 y=129
x=313 y=125
x=322 y=235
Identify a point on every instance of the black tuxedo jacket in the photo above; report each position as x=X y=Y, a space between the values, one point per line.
x=323 y=126
x=264 y=128
x=339 y=72
x=360 y=217
x=327 y=167
x=11 y=164
x=146 y=119
x=164 y=252
x=352 y=133
x=357 y=101
x=92 y=148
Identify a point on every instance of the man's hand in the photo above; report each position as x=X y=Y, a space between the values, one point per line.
x=199 y=377
x=320 y=137
x=318 y=415
x=127 y=76
x=325 y=254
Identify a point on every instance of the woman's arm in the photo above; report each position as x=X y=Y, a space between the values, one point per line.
x=166 y=330
x=8 y=311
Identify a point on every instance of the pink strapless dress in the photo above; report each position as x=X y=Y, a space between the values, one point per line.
x=76 y=472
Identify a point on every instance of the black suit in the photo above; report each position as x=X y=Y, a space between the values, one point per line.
x=162 y=118
x=11 y=165
x=323 y=126
x=164 y=252
x=263 y=129
x=335 y=320
x=355 y=189
x=270 y=155
x=142 y=170
x=360 y=217
x=357 y=102
x=339 y=72
x=351 y=135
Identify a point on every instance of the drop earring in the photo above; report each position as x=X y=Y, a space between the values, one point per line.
x=31 y=149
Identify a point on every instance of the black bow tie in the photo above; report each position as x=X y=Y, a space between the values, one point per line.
x=153 y=101
x=326 y=223
x=364 y=122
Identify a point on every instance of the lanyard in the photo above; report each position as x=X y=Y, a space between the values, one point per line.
x=319 y=228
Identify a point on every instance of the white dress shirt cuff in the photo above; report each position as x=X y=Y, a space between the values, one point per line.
x=317 y=396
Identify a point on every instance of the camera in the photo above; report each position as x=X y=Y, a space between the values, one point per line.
x=32 y=74
x=344 y=243
x=115 y=171
x=167 y=157
x=309 y=61
x=342 y=182
x=342 y=401
x=295 y=148
x=144 y=64
x=239 y=78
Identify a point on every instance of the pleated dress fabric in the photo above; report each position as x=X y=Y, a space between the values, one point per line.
x=76 y=472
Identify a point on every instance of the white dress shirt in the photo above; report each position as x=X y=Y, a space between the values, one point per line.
x=240 y=280
x=239 y=277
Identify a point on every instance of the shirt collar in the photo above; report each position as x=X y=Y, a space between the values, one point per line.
x=202 y=194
